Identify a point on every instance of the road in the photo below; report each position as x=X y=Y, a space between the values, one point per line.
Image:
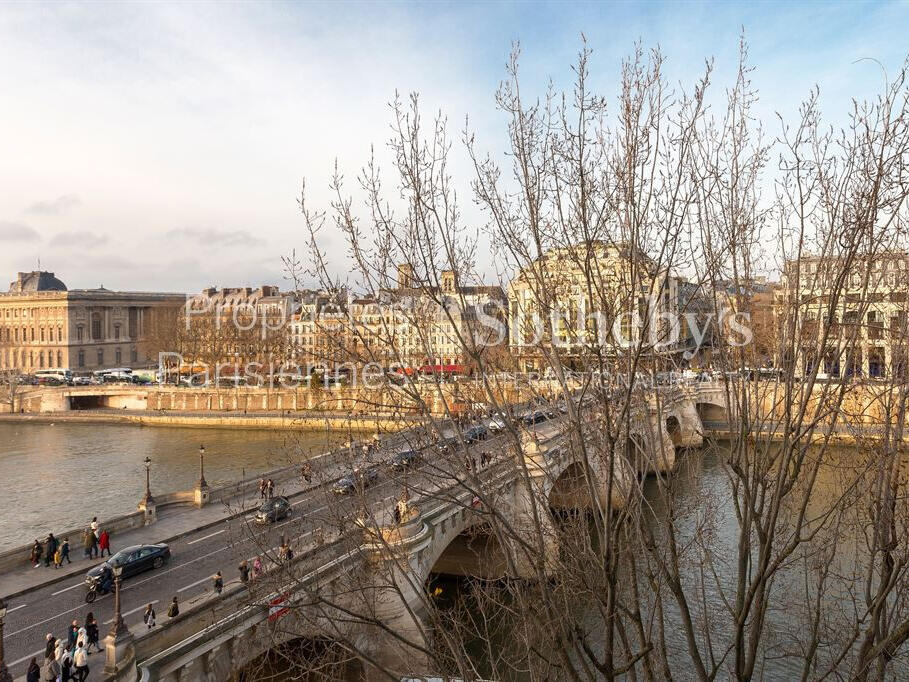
x=197 y=556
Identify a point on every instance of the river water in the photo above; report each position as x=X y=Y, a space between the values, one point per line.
x=57 y=476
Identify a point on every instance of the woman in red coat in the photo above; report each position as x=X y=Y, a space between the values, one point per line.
x=104 y=542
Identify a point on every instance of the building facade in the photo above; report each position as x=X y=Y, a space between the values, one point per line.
x=44 y=325
x=594 y=297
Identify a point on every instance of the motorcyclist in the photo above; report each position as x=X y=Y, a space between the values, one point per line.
x=106 y=579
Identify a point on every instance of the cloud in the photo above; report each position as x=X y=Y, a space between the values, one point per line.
x=215 y=238
x=57 y=206
x=82 y=238
x=17 y=232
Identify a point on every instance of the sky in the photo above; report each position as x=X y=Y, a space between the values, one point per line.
x=162 y=147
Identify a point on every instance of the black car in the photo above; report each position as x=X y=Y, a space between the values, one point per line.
x=274 y=509
x=447 y=444
x=136 y=559
x=361 y=478
x=535 y=417
x=475 y=433
x=406 y=459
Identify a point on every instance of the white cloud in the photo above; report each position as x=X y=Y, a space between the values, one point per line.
x=58 y=206
x=17 y=232
x=79 y=238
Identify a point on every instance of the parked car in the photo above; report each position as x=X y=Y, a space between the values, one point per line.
x=406 y=459
x=359 y=479
x=136 y=559
x=274 y=509
x=82 y=381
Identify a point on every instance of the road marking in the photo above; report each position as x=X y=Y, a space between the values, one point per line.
x=47 y=620
x=67 y=589
x=26 y=657
x=206 y=537
x=16 y=608
x=135 y=610
x=198 y=582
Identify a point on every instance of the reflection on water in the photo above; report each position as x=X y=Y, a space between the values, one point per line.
x=57 y=476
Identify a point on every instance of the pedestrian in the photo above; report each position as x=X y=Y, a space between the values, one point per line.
x=64 y=551
x=149 y=617
x=285 y=553
x=50 y=549
x=33 y=674
x=50 y=645
x=94 y=634
x=104 y=542
x=257 y=568
x=93 y=539
x=73 y=633
x=244 y=572
x=94 y=524
x=397 y=515
x=66 y=665
x=271 y=489
x=51 y=670
x=218 y=583
x=80 y=659
x=35 y=555
x=174 y=609
x=87 y=543
x=58 y=558
x=59 y=650
x=306 y=473
x=261 y=488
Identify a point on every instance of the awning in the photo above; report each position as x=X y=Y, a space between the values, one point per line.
x=443 y=369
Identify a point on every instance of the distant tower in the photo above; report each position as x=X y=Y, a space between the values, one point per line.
x=405 y=276
x=449 y=281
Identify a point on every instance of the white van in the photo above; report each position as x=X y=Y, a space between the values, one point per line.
x=63 y=376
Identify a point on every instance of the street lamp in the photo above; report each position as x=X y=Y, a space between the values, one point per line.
x=119 y=628
x=149 y=500
x=202 y=482
x=4 y=672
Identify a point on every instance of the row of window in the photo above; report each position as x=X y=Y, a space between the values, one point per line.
x=27 y=360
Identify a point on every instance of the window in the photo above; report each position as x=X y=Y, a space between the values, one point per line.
x=59 y=358
x=118 y=358
x=79 y=333
x=100 y=357
x=81 y=358
x=96 y=326
x=133 y=356
x=117 y=331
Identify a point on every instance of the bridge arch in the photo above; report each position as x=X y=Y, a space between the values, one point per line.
x=305 y=659
x=469 y=550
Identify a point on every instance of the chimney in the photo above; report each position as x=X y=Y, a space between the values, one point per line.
x=405 y=276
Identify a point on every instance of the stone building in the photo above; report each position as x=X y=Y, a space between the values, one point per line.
x=44 y=325
x=590 y=297
x=849 y=320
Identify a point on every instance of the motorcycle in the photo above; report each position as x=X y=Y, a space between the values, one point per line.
x=93 y=589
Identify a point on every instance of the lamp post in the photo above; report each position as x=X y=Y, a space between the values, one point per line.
x=4 y=672
x=202 y=482
x=149 y=500
x=119 y=627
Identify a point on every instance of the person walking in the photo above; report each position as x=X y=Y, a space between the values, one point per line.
x=257 y=568
x=149 y=617
x=261 y=488
x=94 y=524
x=33 y=674
x=50 y=643
x=174 y=609
x=66 y=665
x=104 y=542
x=93 y=632
x=51 y=670
x=58 y=557
x=73 y=633
x=93 y=539
x=50 y=549
x=87 y=543
x=244 y=572
x=270 y=489
x=218 y=583
x=35 y=556
x=64 y=551
x=80 y=660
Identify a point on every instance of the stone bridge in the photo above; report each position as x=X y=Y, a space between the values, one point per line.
x=391 y=563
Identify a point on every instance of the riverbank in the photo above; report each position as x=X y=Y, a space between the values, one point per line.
x=220 y=420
